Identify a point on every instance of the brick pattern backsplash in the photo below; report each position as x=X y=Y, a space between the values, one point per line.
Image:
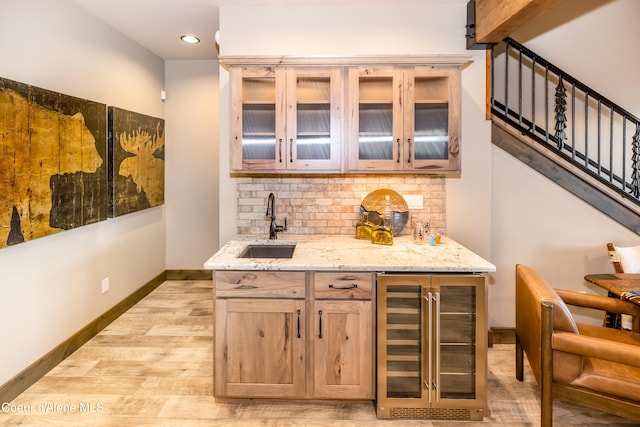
x=329 y=205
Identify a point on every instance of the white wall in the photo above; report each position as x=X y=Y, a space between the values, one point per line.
x=431 y=28
x=534 y=221
x=192 y=157
x=51 y=287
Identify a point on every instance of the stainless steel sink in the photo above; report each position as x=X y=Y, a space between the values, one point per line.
x=267 y=250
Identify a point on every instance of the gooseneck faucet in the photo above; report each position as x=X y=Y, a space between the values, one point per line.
x=274 y=229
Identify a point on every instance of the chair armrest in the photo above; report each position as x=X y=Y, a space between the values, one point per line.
x=598 y=302
x=599 y=348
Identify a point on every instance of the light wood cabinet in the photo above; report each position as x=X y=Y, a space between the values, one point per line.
x=261 y=348
x=260 y=334
x=335 y=115
x=294 y=335
x=404 y=119
x=286 y=119
x=432 y=346
x=343 y=336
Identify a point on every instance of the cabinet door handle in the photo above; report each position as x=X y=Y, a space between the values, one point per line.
x=425 y=347
x=398 y=141
x=298 y=323
x=409 y=151
x=280 y=150
x=320 y=314
x=351 y=286
x=430 y=343
x=291 y=150
x=437 y=343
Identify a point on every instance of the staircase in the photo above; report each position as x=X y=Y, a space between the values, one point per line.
x=566 y=131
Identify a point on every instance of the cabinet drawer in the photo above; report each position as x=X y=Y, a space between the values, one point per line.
x=343 y=285
x=259 y=284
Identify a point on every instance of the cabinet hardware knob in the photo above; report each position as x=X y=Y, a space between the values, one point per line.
x=351 y=286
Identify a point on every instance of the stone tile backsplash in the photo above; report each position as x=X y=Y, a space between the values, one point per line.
x=329 y=205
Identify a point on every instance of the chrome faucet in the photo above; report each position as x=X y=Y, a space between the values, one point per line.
x=274 y=229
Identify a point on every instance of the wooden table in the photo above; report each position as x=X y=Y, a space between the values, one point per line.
x=616 y=284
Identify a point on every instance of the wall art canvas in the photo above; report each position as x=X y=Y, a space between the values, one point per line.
x=53 y=174
x=136 y=170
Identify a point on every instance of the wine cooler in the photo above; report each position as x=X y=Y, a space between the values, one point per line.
x=432 y=346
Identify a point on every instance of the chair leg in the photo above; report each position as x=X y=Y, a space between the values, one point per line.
x=519 y=360
x=546 y=361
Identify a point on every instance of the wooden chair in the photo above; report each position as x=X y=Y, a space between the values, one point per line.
x=613 y=320
x=588 y=365
x=615 y=259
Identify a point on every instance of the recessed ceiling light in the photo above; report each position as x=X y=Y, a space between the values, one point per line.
x=188 y=38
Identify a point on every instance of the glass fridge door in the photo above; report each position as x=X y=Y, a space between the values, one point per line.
x=456 y=347
x=404 y=370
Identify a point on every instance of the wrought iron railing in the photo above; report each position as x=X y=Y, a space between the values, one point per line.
x=566 y=116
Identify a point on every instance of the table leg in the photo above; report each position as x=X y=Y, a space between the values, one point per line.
x=612 y=320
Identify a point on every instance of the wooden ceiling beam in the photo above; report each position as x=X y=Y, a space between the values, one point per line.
x=497 y=19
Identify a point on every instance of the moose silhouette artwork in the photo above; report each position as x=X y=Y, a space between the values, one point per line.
x=137 y=161
x=39 y=144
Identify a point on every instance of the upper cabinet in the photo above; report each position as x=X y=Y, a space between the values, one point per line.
x=286 y=119
x=331 y=115
x=404 y=119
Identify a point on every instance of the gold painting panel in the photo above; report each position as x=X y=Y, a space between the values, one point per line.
x=52 y=162
x=136 y=170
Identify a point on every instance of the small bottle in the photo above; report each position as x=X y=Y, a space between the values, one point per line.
x=420 y=231
x=364 y=227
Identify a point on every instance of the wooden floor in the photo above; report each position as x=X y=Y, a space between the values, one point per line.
x=153 y=367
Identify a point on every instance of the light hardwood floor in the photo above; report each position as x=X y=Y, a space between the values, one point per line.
x=153 y=367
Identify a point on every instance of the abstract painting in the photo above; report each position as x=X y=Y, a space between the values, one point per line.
x=52 y=162
x=136 y=168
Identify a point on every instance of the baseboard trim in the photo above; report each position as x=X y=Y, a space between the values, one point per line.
x=502 y=336
x=189 y=274
x=25 y=379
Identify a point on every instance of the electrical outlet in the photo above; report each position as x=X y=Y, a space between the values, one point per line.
x=414 y=201
x=105 y=285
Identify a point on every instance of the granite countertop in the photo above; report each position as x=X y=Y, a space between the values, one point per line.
x=346 y=253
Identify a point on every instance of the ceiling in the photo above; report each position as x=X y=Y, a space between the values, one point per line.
x=158 y=24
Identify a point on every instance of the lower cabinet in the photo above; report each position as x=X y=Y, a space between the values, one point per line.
x=261 y=348
x=277 y=336
x=312 y=335
x=343 y=331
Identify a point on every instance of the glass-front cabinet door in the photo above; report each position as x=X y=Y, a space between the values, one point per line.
x=432 y=339
x=375 y=119
x=314 y=105
x=285 y=119
x=432 y=124
x=404 y=119
x=257 y=118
